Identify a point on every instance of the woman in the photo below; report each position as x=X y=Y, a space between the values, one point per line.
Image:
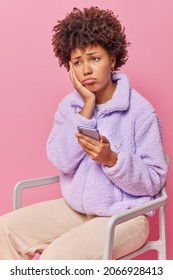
x=99 y=178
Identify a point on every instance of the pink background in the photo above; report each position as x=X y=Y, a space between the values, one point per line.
x=32 y=84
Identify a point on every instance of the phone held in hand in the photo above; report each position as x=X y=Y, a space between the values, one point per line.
x=91 y=132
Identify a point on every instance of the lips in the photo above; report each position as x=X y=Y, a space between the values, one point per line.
x=90 y=81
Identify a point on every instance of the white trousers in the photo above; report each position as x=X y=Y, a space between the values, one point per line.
x=55 y=230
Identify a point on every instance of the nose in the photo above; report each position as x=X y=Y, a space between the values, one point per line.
x=87 y=69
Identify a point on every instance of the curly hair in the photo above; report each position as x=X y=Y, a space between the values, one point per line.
x=91 y=26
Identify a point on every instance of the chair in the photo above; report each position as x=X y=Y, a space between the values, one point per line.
x=156 y=204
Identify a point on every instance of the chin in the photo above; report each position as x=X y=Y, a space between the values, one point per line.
x=92 y=88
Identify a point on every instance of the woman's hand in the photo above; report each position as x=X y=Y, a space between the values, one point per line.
x=88 y=96
x=81 y=89
x=98 y=151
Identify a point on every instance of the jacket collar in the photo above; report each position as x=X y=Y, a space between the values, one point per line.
x=120 y=99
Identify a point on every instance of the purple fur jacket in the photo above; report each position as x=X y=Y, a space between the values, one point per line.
x=132 y=127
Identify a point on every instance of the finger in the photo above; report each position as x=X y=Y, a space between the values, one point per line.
x=71 y=66
x=73 y=75
x=76 y=83
x=71 y=72
x=103 y=139
x=89 y=152
x=86 y=144
x=88 y=139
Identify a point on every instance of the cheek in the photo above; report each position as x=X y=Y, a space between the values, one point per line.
x=78 y=73
x=105 y=72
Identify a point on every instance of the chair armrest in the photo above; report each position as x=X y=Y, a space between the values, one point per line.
x=127 y=215
x=29 y=184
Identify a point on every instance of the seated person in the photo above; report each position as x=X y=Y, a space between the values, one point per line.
x=99 y=178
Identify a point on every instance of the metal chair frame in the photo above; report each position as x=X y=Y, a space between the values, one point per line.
x=158 y=203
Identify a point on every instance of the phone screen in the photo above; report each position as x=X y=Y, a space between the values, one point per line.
x=91 y=132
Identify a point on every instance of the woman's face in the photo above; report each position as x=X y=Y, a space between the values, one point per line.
x=92 y=67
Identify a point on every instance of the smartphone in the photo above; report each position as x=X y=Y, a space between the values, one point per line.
x=91 y=132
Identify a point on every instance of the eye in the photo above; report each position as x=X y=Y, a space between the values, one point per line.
x=95 y=59
x=76 y=63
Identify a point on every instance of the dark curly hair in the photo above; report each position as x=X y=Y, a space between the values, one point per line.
x=91 y=26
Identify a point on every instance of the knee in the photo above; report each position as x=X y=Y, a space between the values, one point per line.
x=6 y=221
x=4 y=230
x=3 y=223
x=8 y=224
x=60 y=250
x=65 y=248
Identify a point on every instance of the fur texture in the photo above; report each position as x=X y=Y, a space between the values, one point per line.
x=132 y=126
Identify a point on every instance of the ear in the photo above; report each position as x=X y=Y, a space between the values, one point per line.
x=113 y=62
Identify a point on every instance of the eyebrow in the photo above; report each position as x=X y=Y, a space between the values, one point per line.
x=88 y=53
